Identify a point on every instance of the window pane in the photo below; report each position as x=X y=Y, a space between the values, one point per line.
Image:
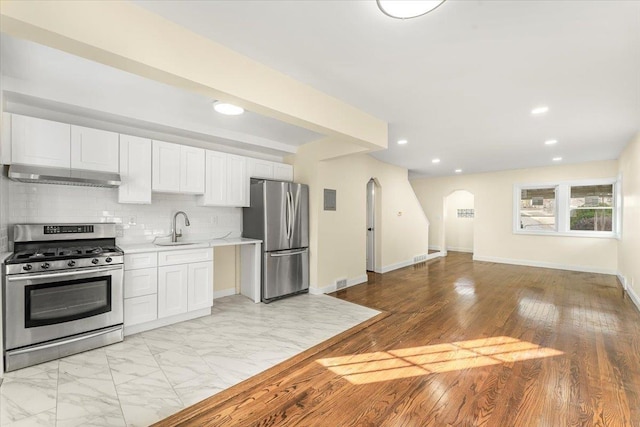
x=591 y=196
x=538 y=209
x=591 y=208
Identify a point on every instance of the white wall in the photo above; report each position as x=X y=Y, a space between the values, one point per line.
x=629 y=245
x=494 y=239
x=338 y=238
x=458 y=231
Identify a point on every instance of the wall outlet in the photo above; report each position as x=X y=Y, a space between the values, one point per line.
x=341 y=283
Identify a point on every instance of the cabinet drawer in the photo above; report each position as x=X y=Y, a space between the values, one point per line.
x=140 y=309
x=144 y=260
x=140 y=282
x=185 y=256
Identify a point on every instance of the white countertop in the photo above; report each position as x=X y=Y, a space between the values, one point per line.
x=4 y=255
x=150 y=247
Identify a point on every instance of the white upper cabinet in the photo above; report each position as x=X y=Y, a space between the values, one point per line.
x=166 y=167
x=282 y=172
x=226 y=182
x=94 y=149
x=40 y=142
x=237 y=181
x=177 y=168
x=191 y=170
x=270 y=170
x=135 y=170
x=215 y=191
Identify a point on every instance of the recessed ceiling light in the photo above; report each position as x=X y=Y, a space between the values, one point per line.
x=539 y=110
x=550 y=141
x=557 y=159
x=402 y=141
x=435 y=161
x=404 y=9
x=458 y=171
x=228 y=109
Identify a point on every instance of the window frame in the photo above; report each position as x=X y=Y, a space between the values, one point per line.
x=563 y=208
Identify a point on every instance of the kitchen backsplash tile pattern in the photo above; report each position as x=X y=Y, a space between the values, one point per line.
x=34 y=203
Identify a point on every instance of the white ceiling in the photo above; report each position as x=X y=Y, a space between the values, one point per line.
x=458 y=83
x=38 y=80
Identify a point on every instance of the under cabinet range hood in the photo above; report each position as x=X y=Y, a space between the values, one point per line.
x=63 y=176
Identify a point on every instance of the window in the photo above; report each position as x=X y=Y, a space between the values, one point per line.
x=583 y=208
x=538 y=209
x=591 y=208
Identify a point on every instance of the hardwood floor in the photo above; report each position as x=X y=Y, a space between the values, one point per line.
x=458 y=343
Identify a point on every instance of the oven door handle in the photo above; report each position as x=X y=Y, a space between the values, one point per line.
x=21 y=277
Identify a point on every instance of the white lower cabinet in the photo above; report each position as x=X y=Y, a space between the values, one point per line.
x=200 y=286
x=140 y=288
x=140 y=309
x=172 y=290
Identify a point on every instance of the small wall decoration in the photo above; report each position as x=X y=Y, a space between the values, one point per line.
x=329 y=200
x=466 y=213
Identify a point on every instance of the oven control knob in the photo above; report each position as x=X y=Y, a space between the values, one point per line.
x=27 y=267
x=45 y=265
x=109 y=259
x=95 y=261
x=71 y=263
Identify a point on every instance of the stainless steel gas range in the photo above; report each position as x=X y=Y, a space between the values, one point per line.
x=62 y=292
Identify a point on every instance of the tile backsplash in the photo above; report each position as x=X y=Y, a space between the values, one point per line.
x=43 y=203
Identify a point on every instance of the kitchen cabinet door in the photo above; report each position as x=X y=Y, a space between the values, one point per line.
x=237 y=181
x=215 y=186
x=200 y=285
x=261 y=169
x=172 y=290
x=191 y=170
x=165 y=167
x=135 y=170
x=282 y=172
x=40 y=142
x=94 y=149
x=140 y=282
x=140 y=309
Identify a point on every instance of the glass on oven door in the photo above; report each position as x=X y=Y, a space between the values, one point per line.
x=47 y=306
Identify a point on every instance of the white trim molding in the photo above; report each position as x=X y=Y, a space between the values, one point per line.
x=224 y=293
x=629 y=290
x=456 y=249
x=542 y=264
x=332 y=288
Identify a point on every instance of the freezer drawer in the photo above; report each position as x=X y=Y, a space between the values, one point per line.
x=285 y=272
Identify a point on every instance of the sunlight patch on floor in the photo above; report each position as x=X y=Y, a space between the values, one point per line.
x=417 y=361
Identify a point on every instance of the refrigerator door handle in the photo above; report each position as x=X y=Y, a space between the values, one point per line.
x=280 y=254
x=289 y=215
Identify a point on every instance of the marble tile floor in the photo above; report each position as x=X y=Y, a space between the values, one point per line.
x=154 y=374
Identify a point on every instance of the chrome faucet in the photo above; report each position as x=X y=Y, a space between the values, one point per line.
x=174 y=233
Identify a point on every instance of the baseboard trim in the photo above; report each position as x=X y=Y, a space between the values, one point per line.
x=396 y=266
x=332 y=288
x=433 y=248
x=455 y=249
x=224 y=293
x=629 y=291
x=542 y=264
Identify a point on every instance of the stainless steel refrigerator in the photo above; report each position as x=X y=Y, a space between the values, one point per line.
x=279 y=216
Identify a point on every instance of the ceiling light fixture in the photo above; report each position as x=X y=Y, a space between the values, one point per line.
x=458 y=171
x=557 y=159
x=406 y=9
x=227 y=109
x=551 y=142
x=435 y=161
x=539 y=110
x=402 y=141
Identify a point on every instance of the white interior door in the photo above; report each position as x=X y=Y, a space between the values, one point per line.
x=371 y=220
